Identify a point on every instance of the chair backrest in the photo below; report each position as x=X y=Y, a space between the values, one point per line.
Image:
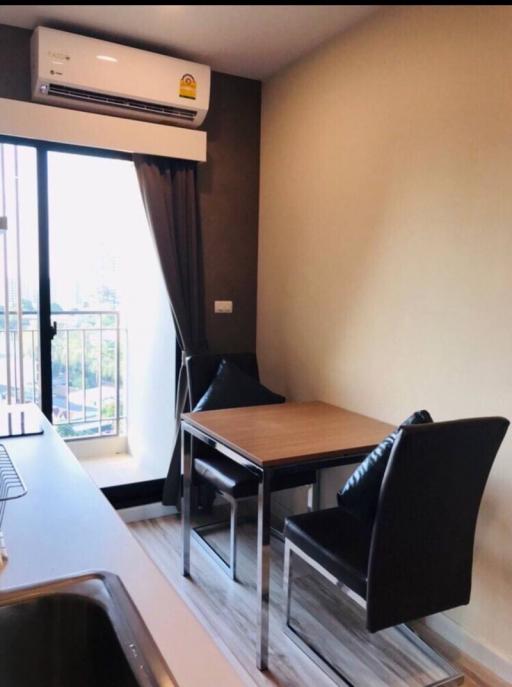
x=201 y=369
x=421 y=553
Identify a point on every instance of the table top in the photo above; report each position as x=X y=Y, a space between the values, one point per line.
x=287 y=433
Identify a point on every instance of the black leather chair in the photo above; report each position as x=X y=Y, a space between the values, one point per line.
x=230 y=480
x=416 y=558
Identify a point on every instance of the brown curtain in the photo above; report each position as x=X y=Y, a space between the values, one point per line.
x=169 y=192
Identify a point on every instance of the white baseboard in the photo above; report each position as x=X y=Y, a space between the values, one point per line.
x=147 y=512
x=455 y=635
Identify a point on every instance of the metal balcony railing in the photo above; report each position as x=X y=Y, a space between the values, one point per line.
x=88 y=379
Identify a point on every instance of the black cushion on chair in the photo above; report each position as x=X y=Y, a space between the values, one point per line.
x=233 y=388
x=227 y=476
x=202 y=368
x=336 y=539
x=360 y=494
x=234 y=384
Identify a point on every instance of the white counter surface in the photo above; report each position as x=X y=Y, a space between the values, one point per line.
x=65 y=526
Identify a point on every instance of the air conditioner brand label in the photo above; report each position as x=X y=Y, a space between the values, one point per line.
x=58 y=55
x=188 y=87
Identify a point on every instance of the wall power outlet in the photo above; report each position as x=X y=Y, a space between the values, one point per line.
x=223 y=307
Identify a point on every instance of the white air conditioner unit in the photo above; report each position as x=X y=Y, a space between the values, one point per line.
x=88 y=74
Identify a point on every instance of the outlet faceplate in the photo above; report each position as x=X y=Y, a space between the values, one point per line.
x=223 y=307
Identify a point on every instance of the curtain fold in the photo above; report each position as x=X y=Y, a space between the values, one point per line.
x=169 y=193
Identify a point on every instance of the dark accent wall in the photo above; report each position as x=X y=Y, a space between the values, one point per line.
x=14 y=63
x=229 y=192
x=228 y=186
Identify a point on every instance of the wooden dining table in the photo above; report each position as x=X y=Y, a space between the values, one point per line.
x=310 y=435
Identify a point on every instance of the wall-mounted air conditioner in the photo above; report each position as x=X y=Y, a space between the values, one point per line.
x=88 y=74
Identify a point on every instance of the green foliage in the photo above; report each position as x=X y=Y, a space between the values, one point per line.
x=66 y=431
x=109 y=410
x=84 y=353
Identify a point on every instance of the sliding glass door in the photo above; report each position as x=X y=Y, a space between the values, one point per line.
x=61 y=341
x=93 y=211
x=85 y=325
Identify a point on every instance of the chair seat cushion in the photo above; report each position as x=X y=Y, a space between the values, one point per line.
x=233 y=388
x=360 y=494
x=227 y=476
x=337 y=540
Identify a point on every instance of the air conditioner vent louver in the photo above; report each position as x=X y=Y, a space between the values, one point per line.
x=119 y=101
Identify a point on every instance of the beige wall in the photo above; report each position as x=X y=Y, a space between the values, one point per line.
x=385 y=258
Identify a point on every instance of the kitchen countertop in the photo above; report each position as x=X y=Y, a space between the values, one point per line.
x=65 y=526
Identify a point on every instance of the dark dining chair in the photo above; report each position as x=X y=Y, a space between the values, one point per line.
x=415 y=559
x=230 y=480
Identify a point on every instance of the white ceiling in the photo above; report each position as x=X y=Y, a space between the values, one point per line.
x=247 y=40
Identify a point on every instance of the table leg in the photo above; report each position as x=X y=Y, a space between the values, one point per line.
x=263 y=571
x=186 y=471
x=314 y=493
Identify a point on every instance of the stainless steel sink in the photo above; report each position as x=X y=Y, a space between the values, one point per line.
x=77 y=632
